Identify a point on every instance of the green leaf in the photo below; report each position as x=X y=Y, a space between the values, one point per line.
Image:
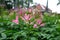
x=15 y=35
x=23 y=34
x=3 y=35
x=2 y=30
x=34 y=38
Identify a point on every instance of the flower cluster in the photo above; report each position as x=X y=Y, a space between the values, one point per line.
x=29 y=13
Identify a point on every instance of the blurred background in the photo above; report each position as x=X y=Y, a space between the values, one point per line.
x=51 y=4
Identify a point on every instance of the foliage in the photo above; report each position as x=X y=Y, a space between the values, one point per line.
x=10 y=30
x=23 y=31
x=3 y=11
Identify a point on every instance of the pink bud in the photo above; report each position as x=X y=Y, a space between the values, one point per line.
x=39 y=21
x=35 y=26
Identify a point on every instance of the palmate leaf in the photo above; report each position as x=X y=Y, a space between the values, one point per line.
x=16 y=35
x=2 y=30
x=1 y=24
x=57 y=38
x=9 y=33
x=21 y=34
x=58 y=27
x=33 y=38
x=4 y=36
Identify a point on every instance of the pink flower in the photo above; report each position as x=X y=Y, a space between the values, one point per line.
x=27 y=17
x=43 y=24
x=35 y=26
x=39 y=21
x=16 y=20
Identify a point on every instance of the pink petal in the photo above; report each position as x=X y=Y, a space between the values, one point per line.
x=15 y=21
x=26 y=17
x=17 y=17
x=43 y=24
x=39 y=21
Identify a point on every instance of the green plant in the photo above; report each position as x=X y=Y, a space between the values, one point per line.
x=25 y=31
